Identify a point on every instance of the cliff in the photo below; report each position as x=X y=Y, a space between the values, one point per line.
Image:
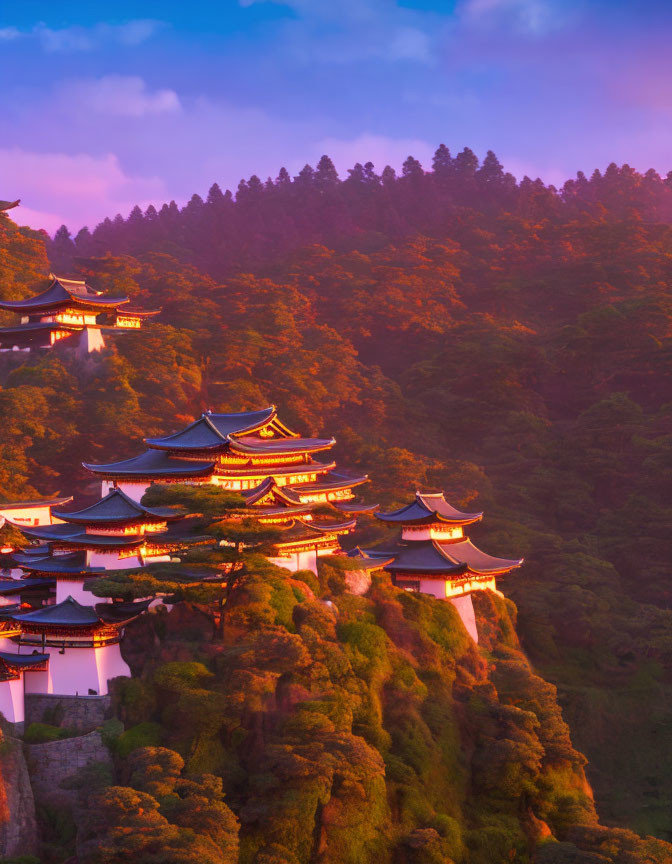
x=18 y=827
x=360 y=728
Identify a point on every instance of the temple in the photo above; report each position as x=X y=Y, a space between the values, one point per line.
x=432 y=555
x=115 y=533
x=70 y=310
x=274 y=468
x=78 y=646
x=46 y=612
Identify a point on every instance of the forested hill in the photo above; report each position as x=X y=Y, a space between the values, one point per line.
x=507 y=342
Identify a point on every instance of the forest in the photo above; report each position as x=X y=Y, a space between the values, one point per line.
x=507 y=342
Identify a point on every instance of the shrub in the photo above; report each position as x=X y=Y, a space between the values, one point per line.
x=143 y=735
x=43 y=733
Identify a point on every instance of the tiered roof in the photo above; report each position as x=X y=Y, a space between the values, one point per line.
x=116 y=508
x=72 y=293
x=153 y=463
x=449 y=559
x=73 y=615
x=211 y=431
x=428 y=508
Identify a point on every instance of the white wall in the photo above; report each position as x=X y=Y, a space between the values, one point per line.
x=111 y=560
x=11 y=700
x=133 y=490
x=77 y=670
x=38 y=515
x=465 y=608
x=298 y=561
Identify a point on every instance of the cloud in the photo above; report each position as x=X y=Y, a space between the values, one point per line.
x=117 y=95
x=75 y=38
x=321 y=31
x=83 y=188
x=8 y=34
x=531 y=17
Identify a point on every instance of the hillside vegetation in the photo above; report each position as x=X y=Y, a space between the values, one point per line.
x=507 y=342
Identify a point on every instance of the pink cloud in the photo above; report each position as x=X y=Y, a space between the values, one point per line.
x=87 y=188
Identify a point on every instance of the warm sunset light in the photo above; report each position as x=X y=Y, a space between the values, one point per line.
x=336 y=453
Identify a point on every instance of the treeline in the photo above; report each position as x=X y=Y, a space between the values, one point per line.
x=267 y=219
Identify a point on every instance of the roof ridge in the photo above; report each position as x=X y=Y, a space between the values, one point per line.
x=211 y=425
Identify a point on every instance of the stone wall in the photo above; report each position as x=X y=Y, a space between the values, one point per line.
x=18 y=829
x=52 y=763
x=83 y=713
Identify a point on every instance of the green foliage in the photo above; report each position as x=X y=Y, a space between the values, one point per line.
x=41 y=733
x=146 y=734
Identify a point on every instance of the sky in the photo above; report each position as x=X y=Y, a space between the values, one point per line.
x=108 y=105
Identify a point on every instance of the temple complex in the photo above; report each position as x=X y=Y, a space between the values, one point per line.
x=237 y=452
x=432 y=555
x=275 y=469
x=68 y=309
x=115 y=533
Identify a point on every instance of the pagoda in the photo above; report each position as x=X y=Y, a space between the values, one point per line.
x=68 y=309
x=114 y=533
x=275 y=469
x=237 y=452
x=432 y=555
x=79 y=643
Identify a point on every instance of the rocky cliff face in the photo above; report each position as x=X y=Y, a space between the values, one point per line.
x=18 y=828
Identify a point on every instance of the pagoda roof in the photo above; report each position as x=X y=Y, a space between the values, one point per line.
x=9 y=205
x=211 y=431
x=115 y=508
x=354 y=507
x=366 y=560
x=153 y=464
x=338 y=527
x=33 y=327
x=36 y=502
x=455 y=559
x=62 y=291
x=269 y=486
x=73 y=535
x=22 y=661
x=288 y=510
x=260 y=446
x=68 y=613
x=71 y=564
x=300 y=531
x=333 y=480
x=428 y=508
x=464 y=552
x=425 y=556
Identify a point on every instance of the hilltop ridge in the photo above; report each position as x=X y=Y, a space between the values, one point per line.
x=510 y=345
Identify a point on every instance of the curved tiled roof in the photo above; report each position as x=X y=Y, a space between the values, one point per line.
x=260 y=446
x=69 y=613
x=62 y=291
x=427 y=508
x=116 y=507
x=211 y=431
x=152 y=464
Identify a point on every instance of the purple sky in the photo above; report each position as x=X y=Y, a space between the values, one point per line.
x=100 y=113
